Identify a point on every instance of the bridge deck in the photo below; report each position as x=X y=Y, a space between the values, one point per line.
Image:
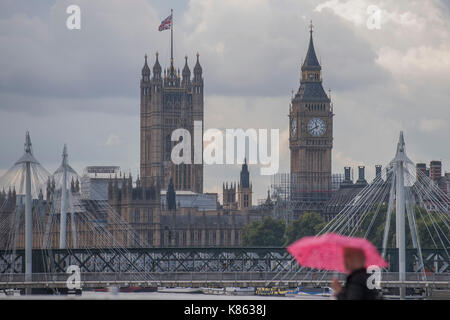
x=208 y=279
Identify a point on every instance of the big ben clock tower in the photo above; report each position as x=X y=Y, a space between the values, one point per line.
x=311 y=137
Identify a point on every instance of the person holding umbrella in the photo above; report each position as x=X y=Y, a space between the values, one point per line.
x=336 y=252
x=356 y=283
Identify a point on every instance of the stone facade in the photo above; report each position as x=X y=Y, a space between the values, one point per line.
x=169 y=102
x=229 y=196
x=311 y=135
x=157 y=224
x=245 y=190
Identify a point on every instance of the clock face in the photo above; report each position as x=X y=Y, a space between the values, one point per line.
x=293 y=126
x=316 y=127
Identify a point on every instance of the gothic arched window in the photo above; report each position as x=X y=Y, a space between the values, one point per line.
x=147 y=154
x=168 y=147
x=137 y=215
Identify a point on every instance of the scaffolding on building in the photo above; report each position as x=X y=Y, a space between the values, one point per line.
x=290 y=199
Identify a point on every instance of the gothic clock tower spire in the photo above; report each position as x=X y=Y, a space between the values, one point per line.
x=311 y=137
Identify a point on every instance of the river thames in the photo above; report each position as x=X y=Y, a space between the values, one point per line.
x=159 y=296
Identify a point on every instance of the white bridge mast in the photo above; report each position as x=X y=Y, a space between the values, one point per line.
x=63 y=215
x=28 y=215
x=399 y=163
x=27 y=160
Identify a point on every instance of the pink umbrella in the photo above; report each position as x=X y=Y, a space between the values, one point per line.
x=327 y=251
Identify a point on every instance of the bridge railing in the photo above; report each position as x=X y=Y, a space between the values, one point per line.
x=215 y=279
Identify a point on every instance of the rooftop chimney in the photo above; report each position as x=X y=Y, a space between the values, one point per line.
x=347 y=176
x=361 y=175
x=377 y=172
x=435 y=170
x=421 y=169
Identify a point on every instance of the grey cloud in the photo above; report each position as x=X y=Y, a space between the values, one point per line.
x=81 y=87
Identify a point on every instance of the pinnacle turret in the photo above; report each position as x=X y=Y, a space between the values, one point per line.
x=198 y=68
x=145 y=69
x=157 y=67
x=186 y=70
x=311 y=62
x=245 y=175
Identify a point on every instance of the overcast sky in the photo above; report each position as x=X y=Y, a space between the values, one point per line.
x=81 y=87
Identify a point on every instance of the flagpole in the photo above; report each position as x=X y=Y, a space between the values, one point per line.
x=171 y=36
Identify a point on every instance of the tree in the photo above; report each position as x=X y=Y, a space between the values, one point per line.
x=430 y=226
x=432 y=229
x=376 y=220
x=309 y=224
x=266 y=233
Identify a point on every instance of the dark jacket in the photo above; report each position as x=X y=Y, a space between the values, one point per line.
x=356 y=287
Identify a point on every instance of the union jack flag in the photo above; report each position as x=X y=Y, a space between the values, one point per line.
x=165 y=24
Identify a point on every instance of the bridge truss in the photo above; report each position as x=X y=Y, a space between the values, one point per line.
x=149 y=260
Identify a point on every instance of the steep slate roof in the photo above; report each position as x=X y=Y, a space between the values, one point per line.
x=311 y=61
x=312 y=91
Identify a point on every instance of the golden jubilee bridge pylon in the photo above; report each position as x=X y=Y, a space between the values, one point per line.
x=405 y=214
x=45 y=225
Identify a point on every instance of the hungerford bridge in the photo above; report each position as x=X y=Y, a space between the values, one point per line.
x=403 y=208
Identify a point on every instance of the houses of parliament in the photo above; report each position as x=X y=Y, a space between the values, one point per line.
x=171 y=99
x=166 y=204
